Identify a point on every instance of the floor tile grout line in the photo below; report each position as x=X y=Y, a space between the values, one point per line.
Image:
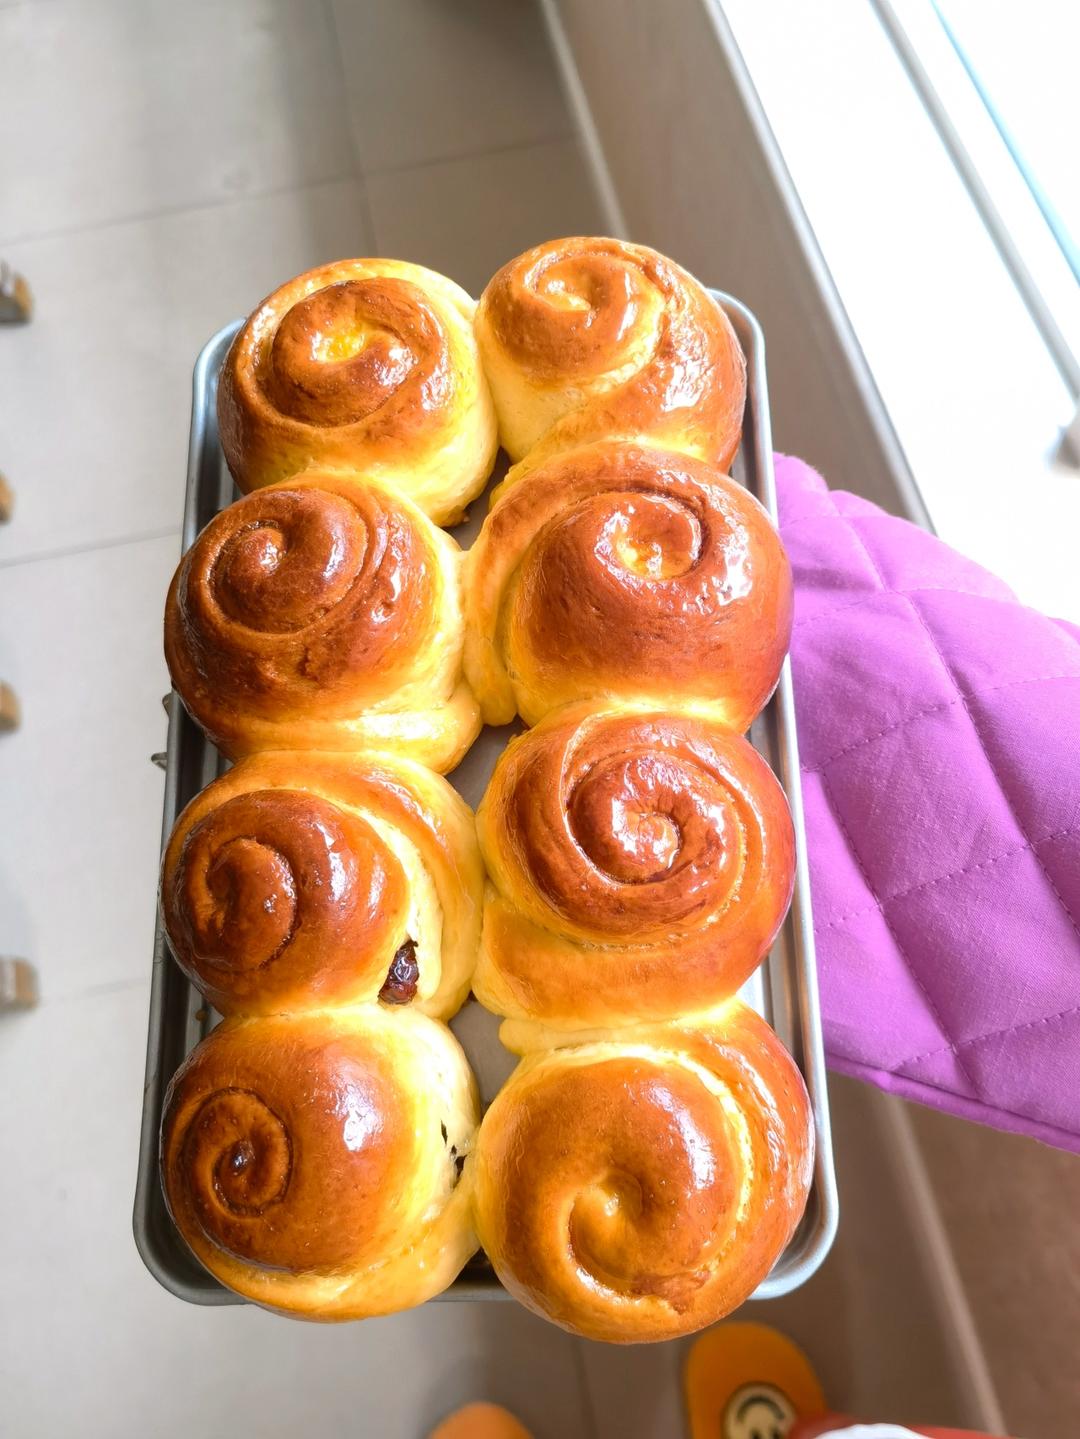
x=165 y=212
x=567 y=137
x=63 y=552
x=366 y=213
x=364 y=172
x=585 y=1389
x=89 y=991
x=359 y=174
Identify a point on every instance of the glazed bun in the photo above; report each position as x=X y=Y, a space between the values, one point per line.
x=585 y=339
x=311 y=1161
x=632 y=860
x=323 y=614
x=368 y=366
x=621 y=572
x=638 y=1185
x=297 y=881
x=640 y=866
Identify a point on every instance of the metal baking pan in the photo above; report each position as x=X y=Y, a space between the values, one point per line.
x=784 y=989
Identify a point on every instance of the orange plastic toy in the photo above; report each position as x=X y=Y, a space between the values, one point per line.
x=744 y=1379
x=481 y=1421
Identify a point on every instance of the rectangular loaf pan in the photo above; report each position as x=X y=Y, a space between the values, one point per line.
x=784 y=990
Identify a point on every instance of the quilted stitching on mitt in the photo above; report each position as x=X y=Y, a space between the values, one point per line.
x=939 y=727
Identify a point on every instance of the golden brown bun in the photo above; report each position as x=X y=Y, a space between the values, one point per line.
x=640 y=866
x=365 y=365
x=639 y=1184
x=311 y=1161
x=587 y=338
x=615 y=572
x=298 y=881
x=323 y=614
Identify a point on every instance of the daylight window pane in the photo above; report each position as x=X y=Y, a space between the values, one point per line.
x=1023 y=59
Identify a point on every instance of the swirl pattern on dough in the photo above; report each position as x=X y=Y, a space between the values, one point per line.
x=640 y=866
x=638 y=1185
x=298 y=881
x=362 y=365
x=621 y=572
x=310 y=1161
x=324 y=614
x=589 y=338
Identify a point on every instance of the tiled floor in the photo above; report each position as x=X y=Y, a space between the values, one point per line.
x=97 y=387
x=166 y=166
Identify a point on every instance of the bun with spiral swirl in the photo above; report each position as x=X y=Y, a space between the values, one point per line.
x=365 y=365
x=616 y=571
x=638 y=1185
x=323 y=614
x=299 y=881
x=586 y=338
x=640 y=866
x=311 y=1161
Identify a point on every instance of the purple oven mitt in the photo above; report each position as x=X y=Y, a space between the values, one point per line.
x=939 y=728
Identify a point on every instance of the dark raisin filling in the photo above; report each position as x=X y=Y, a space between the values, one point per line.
x=399 y=987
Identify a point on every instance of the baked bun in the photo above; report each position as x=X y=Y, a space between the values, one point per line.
x=299 y=881
x=640 y=866
x=323 y=614
x=615 y=572
x=640 y=1184
x=311 y=1161
x=364 y=365
x=585 y=339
